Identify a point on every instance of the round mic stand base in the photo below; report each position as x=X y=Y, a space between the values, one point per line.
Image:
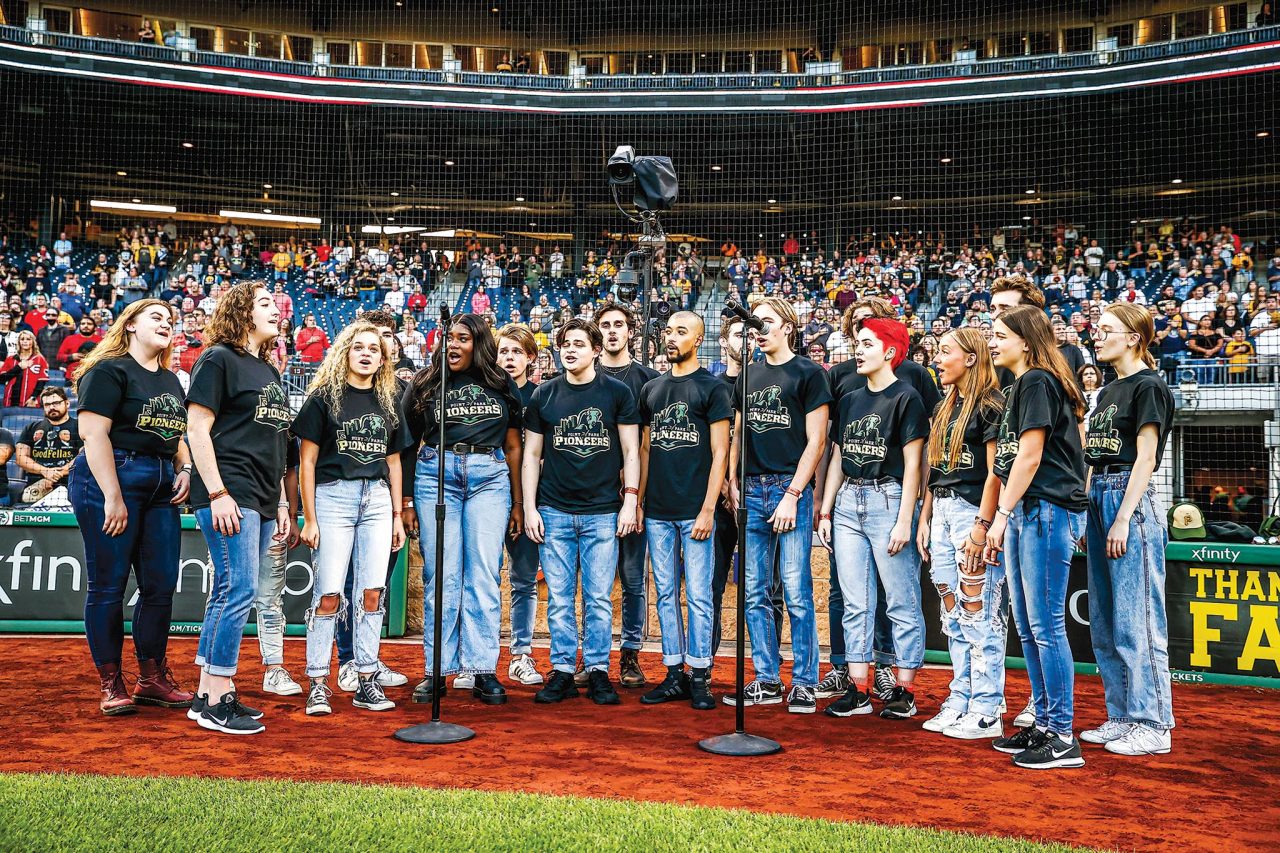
x=437 y=732
x=738 y=743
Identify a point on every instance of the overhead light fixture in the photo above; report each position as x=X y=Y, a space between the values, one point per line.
x=394 y=193
x=391 y=229
x=495 y=10
x=137 y=201
x=1176 y=181
x=1181 y=191
x=122 y=173
x=533 y=225
x=519 y=198
x=896 y=198
x=1029 y=192
x=945 y=160
x=188 y=145
x=717 y=168
x=135 y=205
x=772 y=201
x=266 y=210
x=268 y=217
x=391 y=219
x=266 y=186
x=448 y=162
x=1263 y=134
x=1026 y=219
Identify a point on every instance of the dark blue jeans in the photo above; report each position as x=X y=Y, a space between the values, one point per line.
x=726 y=542
x=148 y=547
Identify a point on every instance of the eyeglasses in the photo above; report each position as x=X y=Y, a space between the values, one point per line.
x=1102 y=333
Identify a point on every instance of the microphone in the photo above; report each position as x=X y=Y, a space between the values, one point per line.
x=749 y=320
x=445 y=316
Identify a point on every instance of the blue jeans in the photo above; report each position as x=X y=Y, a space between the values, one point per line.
x=763 y=494
x=1127 y=616
x=726 y=541
x=673 y=551
x=268 y=604
x=477 y=498
x=524 y=592
x=881 y=647
x=975 y=636
x=570 y=541
x=236 y=562
x=354 y=517
x=635 y=604
x=1038 y=547
x=148 y=547
x=864 y=516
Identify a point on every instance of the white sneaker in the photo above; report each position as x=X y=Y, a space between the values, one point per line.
x=524 y=670
x=464 y=682
x=1141 y=740
x=942 y=719
x=348 y=677
x=279 y=682
x=974 y=726
x=1105 y=733
x=1004 y=707
x=388 y=677
x=1027 y=716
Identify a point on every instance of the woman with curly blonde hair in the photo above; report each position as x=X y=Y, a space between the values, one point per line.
x=238 y=420
x=349 y=479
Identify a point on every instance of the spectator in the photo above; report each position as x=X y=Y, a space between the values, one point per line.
x=412 y=342
x=24 y=372
x=1239 y=353
x=50 y=338
x=283 y=301
x=6 y=453
x=311 y=342
x=47 y=447
x=62 y=252
x=1205 y=345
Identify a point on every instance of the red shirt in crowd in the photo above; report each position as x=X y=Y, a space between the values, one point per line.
x=72 y=345
x=311 y=344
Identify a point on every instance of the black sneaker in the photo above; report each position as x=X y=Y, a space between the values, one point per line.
x=1028 y=738
x=223 y=717
x=883 y=682
x=700 y=690
x=900 y=705
x=488 y=689
x=1051 y=753
x=675 y=687
x=801 y=700
x=853 y=703
x=198 y=704
x=422 y=692
x=600 y=688
x=835 y=683
x=758 y=693
x=318 y=700
x=246 y=711
x=369 y=696
x=559 y=687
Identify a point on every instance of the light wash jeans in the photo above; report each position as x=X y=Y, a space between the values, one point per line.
x=1038 y=546
x=975 y=638
x=1127 y=615
x=269 y=604
x=792 y=550
x=236 y=561
x=477 y=499
x=674 y=553
x=355 y=523
x=570 y=541
x=863 y=519
x=524 y=592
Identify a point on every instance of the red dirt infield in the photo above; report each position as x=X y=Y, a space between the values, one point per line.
x=1218 y=790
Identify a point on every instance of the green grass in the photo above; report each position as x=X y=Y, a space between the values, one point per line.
x=66 y=812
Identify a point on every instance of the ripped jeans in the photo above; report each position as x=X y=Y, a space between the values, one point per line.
x=269 y=604
x=354 y=517
x=975 y=623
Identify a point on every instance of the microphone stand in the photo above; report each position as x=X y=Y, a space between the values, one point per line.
x=740 y=742
x=436 y=732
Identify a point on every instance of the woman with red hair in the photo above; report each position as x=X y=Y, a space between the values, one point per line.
x=869 y=514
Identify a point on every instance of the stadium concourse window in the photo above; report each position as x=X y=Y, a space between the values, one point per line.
x=1122 y=33
x=1232 y=486
x=205 y=37
x=58 y=20
x=1077 y=40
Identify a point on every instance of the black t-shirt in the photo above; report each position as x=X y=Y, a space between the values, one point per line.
x=474 y=413
x=679 y=411
x=845 y=379
x=145 y=407
x=1124 y=407
x=635 y=376
x=354 y=445
x=870 y=428
x=1075 y=361
x=780 y=397
x=525 y=393
x=581 y=455
x=1005 y=379
x=1038 y=401
x=51 y=446
x=969 y=474
x=250 y=427
x=6 y=440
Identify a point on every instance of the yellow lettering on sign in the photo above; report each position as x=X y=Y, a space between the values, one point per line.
x=1253 y=587
x=1202 y=635
x=1264 y=624
x=1201 y=575
x=1228 y=584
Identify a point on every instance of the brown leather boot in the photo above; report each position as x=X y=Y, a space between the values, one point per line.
x=156 y=686
x=115 y=695
x=632 y=675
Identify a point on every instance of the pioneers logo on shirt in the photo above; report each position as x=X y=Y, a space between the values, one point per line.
x=1007 y=442
x=765 y=410
x=163 y=416
x=671 y=428
x=364 y=439
x=273 y=408
x=1102 y=439
x=472 y=404
x=862 y=441
x=963 y=463
x=583 y=434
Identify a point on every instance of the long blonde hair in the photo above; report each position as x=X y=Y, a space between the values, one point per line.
x=1138 y=322
x=116 y=342
x=330 y=382
x=978 y=391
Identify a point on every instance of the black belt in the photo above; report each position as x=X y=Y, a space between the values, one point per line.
x=858 y=481
x=945 y=492
x=1115 y=469
x=463 y=449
